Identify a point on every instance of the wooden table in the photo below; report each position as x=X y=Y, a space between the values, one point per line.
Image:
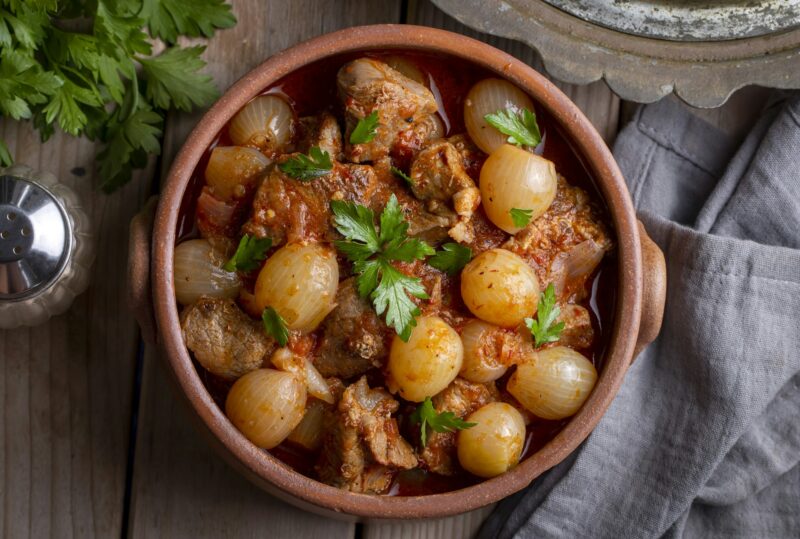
x=94 y=441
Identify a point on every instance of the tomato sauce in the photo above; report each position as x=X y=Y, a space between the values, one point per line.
x=311 y=90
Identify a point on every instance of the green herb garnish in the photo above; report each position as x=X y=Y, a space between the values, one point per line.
x=521 y=218
x=452 y=258
x=520 y=126
x=102 y=81
x=366 y=129
x=372 y=251
x=426 y=416
x=397 y=172
x=542 y=328
x=275 y=326
x=308 y=167
x=250 y=252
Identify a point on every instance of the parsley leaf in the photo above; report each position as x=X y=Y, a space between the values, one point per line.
x=426 y=416
x=249 y=253
x=397 y=172
x=307 y=167
x=172 y=79
x=366 y=129
x=275 y=326
x=543 y=329
x=521 y=127
x=372 y=252
x=168 y=19
x=452 y=258
x=521 y=218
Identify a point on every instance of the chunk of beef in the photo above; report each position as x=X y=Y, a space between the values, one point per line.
x=353 y=336
x=462 y=398
x=439 y=179
x=472 y=157
x=569 y=221
x=367 y=85
x=322 y=131
x=288 y=210
x=363 y=448
x=225 y=341
x=218 y=218
x=578 y=332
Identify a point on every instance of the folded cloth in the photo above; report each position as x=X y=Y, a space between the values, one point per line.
x=703 y=439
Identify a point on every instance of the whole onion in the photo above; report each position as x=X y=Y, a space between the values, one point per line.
x=513 y=178
x=494 y=445
x=198 y=272
x=488 y=351
x=233 y=170
x=267 y=123
x=299 y=281
x=500 y=288
x=553 y=383
x=428 y=362
x=266 y=405
x=490 y=96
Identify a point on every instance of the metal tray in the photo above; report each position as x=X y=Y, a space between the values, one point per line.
x=703 y=50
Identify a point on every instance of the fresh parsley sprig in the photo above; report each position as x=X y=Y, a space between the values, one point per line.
x=104 y=83
x=520 y=126
x=521 y=218
x=275 y=326
x=543 y=328
x=426 y=416
x=452 y=258
x=308 y=167
x=250 y=252
x=402 y=175
x=366 y=129
x=372 y=251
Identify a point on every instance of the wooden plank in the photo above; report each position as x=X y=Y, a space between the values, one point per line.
x=180 y=487
x=601 y=106
x=66 y=386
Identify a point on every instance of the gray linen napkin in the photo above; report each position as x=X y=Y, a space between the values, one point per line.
x=703 y=439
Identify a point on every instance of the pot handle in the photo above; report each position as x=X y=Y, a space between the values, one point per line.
x=654 y=291
x=139 y=295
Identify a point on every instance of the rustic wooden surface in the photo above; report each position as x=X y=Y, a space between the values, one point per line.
x=86 y=420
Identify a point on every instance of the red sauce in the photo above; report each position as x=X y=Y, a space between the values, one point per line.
x=450 y=79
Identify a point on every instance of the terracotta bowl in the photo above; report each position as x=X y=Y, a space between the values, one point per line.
x=640 y=285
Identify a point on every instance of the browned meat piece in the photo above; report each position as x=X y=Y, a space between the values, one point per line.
x=410 y=141
x=364 y=448
x=462 y=398
x=578 y=332
x=322 y=131
x=439 y=179
x=472 y=158
x=367 y=85
x=288 y=210
x=225 y=341
x=570 y=220
x=352 y=336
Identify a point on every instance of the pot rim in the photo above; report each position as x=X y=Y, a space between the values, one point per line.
x=574 y=126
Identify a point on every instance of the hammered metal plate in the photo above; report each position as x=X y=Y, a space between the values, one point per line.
x=702 y=50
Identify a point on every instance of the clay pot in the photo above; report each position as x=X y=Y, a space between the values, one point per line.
x=641 y=282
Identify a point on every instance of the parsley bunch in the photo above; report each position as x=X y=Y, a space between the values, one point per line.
x=88 y=68
x=372 y=251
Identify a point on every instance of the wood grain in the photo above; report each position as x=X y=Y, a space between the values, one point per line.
x=180 y=487
x=66 y=386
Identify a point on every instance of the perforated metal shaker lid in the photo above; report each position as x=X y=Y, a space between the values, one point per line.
x=35 y=238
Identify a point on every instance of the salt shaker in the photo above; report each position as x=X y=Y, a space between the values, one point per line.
x=46 y=247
